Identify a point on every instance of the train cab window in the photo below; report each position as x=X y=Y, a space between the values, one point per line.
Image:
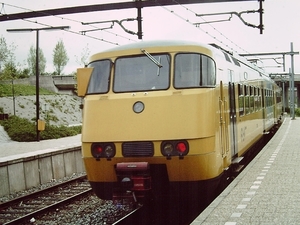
x=194 y=70
x=142 y=73
x=241 y=99
x=99 y=81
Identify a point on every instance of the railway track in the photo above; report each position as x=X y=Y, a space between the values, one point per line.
x=25 y=208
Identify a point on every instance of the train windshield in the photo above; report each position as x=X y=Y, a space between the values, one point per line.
x=194 y=70
x=142 y=73
x=99 y=81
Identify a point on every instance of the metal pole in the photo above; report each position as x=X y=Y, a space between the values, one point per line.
x=292 y=83
x=13 y=93
x=283 y=96
x=139 y=19
x=37 y=86
x=261 y=11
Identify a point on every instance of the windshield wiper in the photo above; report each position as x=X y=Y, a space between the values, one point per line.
x=151 y=58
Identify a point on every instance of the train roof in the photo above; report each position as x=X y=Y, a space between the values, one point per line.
x=230 y=57
x=155 y=43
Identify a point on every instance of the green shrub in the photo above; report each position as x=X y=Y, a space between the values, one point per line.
x=297 y=112
x=20 y=129
x=54 y=132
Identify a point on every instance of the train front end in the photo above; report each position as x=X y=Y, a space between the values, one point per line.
x=150 y=120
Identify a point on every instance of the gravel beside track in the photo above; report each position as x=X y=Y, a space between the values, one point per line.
x=88 y=209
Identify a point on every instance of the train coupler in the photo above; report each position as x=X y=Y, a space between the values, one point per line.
x=133 y=177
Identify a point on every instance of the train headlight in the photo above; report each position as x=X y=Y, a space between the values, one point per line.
x=167 y=149
x=103 y=150
x=109 y=151
x=174 y=148
x=138 y=107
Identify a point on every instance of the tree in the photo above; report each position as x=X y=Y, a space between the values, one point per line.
x=31 y=60
x=3 y=51
x=9 y=71
x=60 y=57
x=8 y=67
x=84 y=56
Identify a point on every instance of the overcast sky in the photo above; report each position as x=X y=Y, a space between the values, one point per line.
x=281 y=19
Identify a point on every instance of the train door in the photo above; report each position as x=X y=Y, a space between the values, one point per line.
x=232 y=116
x=223 y=122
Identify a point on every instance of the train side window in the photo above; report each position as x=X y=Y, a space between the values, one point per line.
x=99 y=81
x=263 y=99
x=268 y=98
x=247 y=105
x=278 y=97
x=194 y=70
x=241 y=100
x=256 y=99
x=259 y=98
x=251 y=99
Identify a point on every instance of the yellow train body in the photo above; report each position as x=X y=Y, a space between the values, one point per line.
x=218 y=122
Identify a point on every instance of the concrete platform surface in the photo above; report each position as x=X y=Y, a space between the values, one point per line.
x=10 y=150
x=267 y=192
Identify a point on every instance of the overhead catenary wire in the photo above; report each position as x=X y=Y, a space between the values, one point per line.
x=71 y=20
x=73 y=32
x=118 y=35
x=199 y=28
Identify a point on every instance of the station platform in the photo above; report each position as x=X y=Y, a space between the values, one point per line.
x=267 y=192
x=11 y=150
x=26 y=165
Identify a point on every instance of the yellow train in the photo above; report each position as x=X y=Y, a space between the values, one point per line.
x=170 y=116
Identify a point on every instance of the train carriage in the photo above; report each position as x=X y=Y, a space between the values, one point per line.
x=170 y=116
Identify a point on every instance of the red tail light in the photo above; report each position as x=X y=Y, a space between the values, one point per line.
x=98 y=149
x=181 y=147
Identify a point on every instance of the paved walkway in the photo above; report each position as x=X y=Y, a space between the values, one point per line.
x=267 y=192
x=3 y=136
x=10 y=150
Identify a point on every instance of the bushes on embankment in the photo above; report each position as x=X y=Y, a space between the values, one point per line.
x=20 y=129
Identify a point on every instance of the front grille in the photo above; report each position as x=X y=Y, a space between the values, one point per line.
x=138 y=149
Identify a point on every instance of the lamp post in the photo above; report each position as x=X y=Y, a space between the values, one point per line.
x=37 y=66
x=292 y=74
x=13 y=93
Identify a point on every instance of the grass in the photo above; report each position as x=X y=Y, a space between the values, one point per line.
x=6 y=90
